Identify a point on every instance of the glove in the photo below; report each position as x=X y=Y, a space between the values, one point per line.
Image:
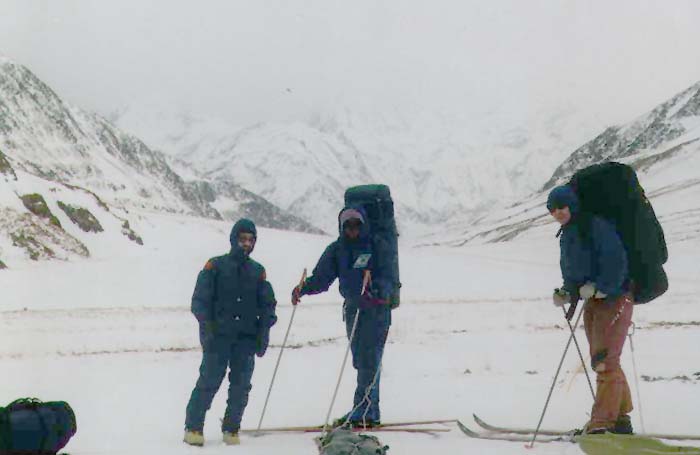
x=560 y=297
x=296 y=295
x=207 y=331
x=587 y=291
x=261 y=342
x=369 y=300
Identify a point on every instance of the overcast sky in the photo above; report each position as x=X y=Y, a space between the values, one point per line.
x=281 y=60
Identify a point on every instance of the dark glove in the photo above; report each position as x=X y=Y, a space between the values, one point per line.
x=369 y=299
x=207 y=332
x=262 y=341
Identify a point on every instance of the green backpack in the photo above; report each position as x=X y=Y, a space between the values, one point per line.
x=345 y=442
x=379 y=207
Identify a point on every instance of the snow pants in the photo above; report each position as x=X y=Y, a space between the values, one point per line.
x=239 y=357
x=606 y=327
x=367 y=349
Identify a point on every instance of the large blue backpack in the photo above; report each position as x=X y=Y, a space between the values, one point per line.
x=379 y=207
x=30 y=426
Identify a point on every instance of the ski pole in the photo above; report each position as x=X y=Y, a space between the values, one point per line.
x=279 y=357
x=365 y=281
x=580 y=355
x=636 y=377
x=554 y=382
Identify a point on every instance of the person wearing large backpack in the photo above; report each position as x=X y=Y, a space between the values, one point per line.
x=235 y=307
x=349 y=259
x=594 y=267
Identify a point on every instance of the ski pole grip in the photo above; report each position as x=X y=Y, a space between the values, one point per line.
x=366 y=279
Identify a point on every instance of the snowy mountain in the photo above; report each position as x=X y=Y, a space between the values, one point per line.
x=47 y=144
x=671 y=124
x=439 y=165
x=662 y=145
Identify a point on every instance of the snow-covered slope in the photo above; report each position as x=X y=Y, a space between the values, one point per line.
x=42 y=135
x=476 y=332
x=439 y=165
x=42 y=219
x=662 y=145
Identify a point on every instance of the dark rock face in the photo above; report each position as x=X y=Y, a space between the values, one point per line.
x=36 y=204
x=6 y=168
x=85 y=220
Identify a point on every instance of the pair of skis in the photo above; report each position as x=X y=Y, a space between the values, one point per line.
x=403 y=427
x=526 y=434
x=486 y=431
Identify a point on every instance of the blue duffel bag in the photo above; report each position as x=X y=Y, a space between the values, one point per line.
x=30 y=426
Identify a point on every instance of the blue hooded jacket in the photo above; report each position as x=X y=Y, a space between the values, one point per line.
x=343 y=259
x=232 y=294
x=591 y=249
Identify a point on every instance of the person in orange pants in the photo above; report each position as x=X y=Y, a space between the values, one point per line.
x=606 y=327
x=594 y=268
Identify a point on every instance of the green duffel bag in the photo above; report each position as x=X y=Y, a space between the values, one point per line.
x=346 y=442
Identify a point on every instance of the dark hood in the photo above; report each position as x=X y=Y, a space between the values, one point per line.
x=242 y=225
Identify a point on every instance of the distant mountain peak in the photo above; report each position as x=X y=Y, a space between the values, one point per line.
x=668 y=121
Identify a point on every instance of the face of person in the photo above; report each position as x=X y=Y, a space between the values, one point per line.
x=351 y=229
x=561 y=214
x=246 y=241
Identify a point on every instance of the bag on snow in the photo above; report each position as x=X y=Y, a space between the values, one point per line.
x=379 y=207
x=612 y=190
x=345 y=442
x=30 y=426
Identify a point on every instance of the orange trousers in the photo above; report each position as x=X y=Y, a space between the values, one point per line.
x=606 y=329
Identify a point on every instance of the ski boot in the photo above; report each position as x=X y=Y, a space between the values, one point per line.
x=194 y=438
x=231 y=438
x=355 y=423
x=623 y=425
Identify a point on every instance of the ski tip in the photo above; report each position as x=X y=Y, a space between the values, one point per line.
x=478 y=420
x=466 y=430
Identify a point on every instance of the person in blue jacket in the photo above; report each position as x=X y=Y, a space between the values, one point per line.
x=235 y=307
x=593 y=263
x=349 y=259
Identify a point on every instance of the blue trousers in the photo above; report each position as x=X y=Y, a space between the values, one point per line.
x=218 y=354
x=367 y=349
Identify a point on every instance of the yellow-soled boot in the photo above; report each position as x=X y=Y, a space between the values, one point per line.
x=231 y=439
x=194 y=438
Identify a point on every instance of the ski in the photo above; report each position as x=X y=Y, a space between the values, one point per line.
x=625 y=444
x=314 y=428
x=530 y=431
x=387 y=429
x=499 y=436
